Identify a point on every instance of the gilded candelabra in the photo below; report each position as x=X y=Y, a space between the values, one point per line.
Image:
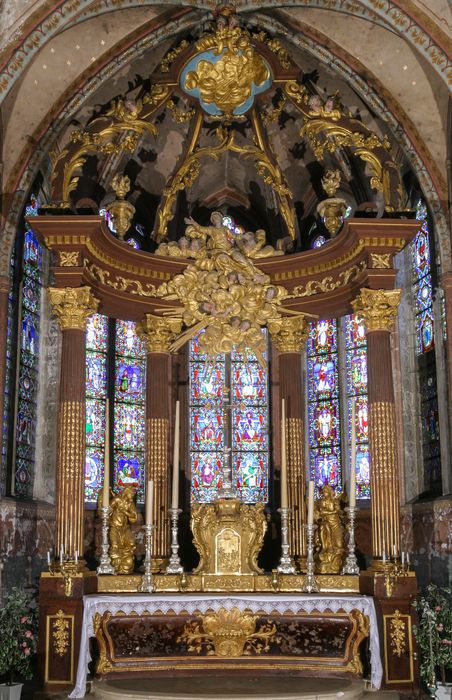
x=68 y=568
x=147 y=584
x=174 y=565
x=310 y=584
x=351 y=563
x=105 y=565
x=286 y=565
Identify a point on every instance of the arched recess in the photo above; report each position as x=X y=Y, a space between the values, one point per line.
x=324 y=50
x=410 y=23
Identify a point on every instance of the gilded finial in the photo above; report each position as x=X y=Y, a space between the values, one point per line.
x=121 y=211
x=332 y=210
x=331 y=182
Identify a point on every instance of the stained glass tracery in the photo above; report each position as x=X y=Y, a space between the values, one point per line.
x=422 y=281
x=356 y=369
x=128 y=425
x=27 y=392
x=323 y=404
x=228 y=416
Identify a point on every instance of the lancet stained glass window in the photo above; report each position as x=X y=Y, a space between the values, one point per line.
x=422 y=282
x=323 y=404
x=422 y=261
x=96 y=394
x=115 y=362
x=27 y=392
x=228 y=417
x=129 y=412
x=356 y=368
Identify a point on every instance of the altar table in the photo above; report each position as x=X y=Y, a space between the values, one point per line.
x=191 y=604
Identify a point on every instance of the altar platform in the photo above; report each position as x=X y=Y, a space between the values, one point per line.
x=189 y=634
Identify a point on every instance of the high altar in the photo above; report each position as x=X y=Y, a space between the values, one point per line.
x=316 y=612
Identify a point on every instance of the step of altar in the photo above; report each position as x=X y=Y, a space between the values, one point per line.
x=227 y=688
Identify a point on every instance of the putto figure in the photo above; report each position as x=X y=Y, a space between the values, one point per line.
x=122 y=542
x=330 y=548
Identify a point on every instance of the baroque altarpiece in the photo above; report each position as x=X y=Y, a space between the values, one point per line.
x=228 y=303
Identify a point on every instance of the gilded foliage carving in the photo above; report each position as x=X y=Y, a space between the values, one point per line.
x=228 y=633
x=377 y=307
x=60 y=633
x=397 y=634
x=73 y=306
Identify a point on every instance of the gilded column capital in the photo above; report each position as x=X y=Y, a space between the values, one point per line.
x=158 y=332
x=289 y=333
x=377 y=308
x=73 y=306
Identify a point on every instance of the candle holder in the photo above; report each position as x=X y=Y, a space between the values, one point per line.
x=174 y=565
x=105 y=565
x=351 y=563
x=286 y=565
x=147 y=584
x=310 y=584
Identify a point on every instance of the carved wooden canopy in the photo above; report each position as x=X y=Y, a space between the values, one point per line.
x=322 y=281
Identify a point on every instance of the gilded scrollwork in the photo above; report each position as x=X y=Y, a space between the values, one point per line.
x=228 y=633
x=329 y=284
x=60 y=633
x=380 y=260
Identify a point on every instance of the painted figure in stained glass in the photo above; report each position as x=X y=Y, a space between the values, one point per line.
x=207 y=429
x=362 y=467
x=128 y=473
x=363 y=421
x=326 y=469
x=29 y=336
x=249 y=429
x=129 y=380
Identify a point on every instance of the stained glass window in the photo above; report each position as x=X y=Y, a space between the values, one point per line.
x=28 y=371
x=96 y=394
x=422 y=282
x=228 y=420
x=356 y=368
x=323 y=404
x=129 y=411
x=126 y=375
x=421 y=264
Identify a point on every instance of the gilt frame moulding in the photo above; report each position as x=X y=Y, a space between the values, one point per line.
x=125 y=280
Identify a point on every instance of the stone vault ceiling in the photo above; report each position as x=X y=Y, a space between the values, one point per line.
x=64 y=60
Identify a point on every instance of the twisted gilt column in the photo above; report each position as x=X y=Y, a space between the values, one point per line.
x=289 y=335
x=72 y=306
x=378 y=309
x=158 y=333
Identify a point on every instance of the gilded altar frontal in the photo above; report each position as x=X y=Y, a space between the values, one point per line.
x=225 y=349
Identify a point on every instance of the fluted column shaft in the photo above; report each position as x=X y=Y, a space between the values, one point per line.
x=378 y=309
x=158 y=334
x=289 y=336
x=72 y=306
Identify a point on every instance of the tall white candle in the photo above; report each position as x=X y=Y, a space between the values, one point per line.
x=311 y=503
x=352 y=496
x=149 y=502
x=106 y=488
x=48 y=558
x=283 y=457
x=175 y=485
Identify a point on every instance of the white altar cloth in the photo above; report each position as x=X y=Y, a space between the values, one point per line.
x=191 y=603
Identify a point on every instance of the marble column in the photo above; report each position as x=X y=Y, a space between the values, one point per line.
x=4 y=291
x=378 y=309
x=289 y=337
x=158 y=334
x=72 y=306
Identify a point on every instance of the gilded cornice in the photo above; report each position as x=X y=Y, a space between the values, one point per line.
x=73 y=306
x=377 y=308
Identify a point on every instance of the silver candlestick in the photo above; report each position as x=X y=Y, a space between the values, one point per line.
x=147 y=584
x=174 y=565
x=105 y=565
x=286 y=565
x=310 y=584
x=351 y=564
